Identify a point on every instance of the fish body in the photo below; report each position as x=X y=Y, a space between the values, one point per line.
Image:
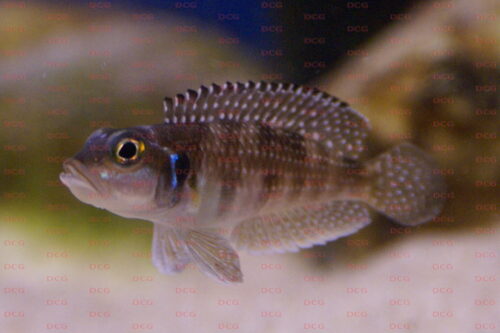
x=262 y=167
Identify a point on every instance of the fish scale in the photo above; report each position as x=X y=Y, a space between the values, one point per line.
x=272 y=158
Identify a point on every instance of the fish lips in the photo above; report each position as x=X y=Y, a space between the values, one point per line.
x=75 y=175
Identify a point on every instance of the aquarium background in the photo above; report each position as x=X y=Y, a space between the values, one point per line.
x=421 y=71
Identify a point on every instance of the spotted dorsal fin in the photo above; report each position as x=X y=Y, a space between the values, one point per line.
x=309 y=112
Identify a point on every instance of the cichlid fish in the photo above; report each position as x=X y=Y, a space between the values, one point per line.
x=262 y=167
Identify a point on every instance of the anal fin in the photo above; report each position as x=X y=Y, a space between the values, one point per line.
x=300 y=227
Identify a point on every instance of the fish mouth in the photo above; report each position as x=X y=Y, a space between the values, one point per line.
x=75 y=174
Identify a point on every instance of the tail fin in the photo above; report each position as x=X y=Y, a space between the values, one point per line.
x=403 y=185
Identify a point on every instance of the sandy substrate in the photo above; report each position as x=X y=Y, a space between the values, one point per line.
x=423 y=283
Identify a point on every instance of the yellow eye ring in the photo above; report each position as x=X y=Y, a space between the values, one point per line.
x=129 y=150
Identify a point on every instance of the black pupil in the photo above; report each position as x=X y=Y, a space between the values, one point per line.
x=128 y=150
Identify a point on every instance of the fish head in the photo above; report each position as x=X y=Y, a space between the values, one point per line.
x=121 y=170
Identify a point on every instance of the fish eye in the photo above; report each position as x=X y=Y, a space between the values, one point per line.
x=128 y=150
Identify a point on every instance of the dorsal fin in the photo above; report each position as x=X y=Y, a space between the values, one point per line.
x=309 y=112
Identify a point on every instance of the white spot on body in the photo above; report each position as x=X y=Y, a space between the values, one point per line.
x=104 y=175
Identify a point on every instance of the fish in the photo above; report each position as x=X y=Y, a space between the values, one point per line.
x=264 y=167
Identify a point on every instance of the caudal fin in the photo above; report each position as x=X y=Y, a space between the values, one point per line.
x=404 y=186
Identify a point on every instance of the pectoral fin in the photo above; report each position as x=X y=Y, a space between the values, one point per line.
x=169 y=252
x=214 y=255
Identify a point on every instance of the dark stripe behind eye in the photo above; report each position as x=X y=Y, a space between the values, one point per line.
x=180 y=168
